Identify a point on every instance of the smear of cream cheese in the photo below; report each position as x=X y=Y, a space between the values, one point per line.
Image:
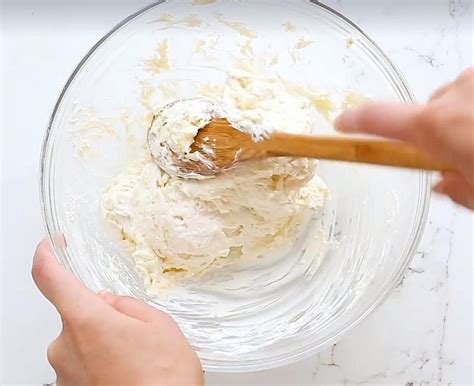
x=159 y=62
x=289 y=27
x=238 y=27
x=167 y=21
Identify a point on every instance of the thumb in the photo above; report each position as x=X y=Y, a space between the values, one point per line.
x=58 y=285
x=392 y=120
x=457 y=188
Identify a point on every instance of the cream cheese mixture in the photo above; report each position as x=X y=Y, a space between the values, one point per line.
x=178 y=228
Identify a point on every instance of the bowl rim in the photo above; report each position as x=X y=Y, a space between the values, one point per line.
x=419 y=223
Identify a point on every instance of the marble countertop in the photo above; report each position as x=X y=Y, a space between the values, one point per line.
x=422 y=334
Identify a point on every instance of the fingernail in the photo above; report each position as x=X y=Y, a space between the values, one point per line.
x=348 y=121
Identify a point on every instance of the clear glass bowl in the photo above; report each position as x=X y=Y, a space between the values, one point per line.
x=286 y=310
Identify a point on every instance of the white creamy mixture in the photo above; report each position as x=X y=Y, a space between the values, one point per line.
x=173 y=130
x=177 y=228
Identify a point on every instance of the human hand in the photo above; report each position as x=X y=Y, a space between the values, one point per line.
x=111 y=340
x=443 y=128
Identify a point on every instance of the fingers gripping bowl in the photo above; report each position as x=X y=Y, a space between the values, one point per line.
x=255 y=313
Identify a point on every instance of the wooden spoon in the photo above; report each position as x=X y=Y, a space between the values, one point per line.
x=231 y=146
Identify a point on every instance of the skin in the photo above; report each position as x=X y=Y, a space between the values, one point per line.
x=443 y=128
x=111 y=340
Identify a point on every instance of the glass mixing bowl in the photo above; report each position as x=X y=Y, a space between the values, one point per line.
x=352 y=253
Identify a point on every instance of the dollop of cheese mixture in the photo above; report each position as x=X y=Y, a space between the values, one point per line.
x=173 y=130
x=177 y=228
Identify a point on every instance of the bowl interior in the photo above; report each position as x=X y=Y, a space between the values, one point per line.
x=251 y=315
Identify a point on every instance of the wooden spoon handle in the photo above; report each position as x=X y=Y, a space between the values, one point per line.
x=379 y=152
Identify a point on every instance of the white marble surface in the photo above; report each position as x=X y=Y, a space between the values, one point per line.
x=421 y=335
